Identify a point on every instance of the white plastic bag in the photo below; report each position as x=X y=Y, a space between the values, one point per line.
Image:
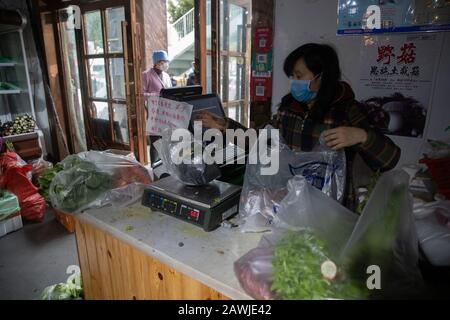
x=262 y=194
x=433 y=230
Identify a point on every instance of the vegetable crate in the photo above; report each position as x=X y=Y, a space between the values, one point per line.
x=440 y=171
x=67 y=220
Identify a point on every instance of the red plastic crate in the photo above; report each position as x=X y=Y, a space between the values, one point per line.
x=440 y=171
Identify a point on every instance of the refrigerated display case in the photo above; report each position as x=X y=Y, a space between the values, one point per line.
x=16 y=92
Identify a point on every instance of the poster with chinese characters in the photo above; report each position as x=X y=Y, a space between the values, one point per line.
x=396 y=81
x=164 y=113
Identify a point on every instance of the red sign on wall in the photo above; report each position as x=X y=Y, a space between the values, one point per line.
x=263 y=39
x=261 y=88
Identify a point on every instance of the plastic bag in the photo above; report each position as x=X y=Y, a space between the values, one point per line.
x=254 y=271
x=39 y=166
x=9 y=204
x=15 y=176
x=385 y=236
x=193 y=170
x=304 y=206
x=262 y=194
x=8 y=160
x=87 y=176
x=433 y=230
x=119 y=197
x=435 y=149
x=32 y=204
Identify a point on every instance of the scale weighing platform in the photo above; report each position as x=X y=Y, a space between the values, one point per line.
x=205 y=206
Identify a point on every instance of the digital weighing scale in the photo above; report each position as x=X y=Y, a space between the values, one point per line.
x=205 y=206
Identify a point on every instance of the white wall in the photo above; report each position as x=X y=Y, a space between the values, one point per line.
x=301 y=21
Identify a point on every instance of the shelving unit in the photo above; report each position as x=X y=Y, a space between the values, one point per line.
x=16 y=94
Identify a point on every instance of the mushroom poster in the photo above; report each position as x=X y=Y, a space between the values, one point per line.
x=396 y=81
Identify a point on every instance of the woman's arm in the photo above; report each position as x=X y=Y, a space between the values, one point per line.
x=378 y=151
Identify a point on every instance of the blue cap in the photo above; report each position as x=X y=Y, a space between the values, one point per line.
x=160 y=55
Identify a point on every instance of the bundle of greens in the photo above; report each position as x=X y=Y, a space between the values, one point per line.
x=45 y=179
x=298 y=270
x=72 y=289
x=80 y=183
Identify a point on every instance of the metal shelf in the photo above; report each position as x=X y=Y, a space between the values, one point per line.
x=12 y=89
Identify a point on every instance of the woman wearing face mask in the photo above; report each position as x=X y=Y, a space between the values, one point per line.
x=319 y=103
x=156 y=78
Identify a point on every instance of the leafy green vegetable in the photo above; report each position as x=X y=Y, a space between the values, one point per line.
x=45 y=179
x=79 y=183
x=297 y=270
x=70 y=290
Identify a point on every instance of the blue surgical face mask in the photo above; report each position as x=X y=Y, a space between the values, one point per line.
x=301 y=91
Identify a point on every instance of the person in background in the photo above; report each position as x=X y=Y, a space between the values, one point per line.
x=191 y=76
x=156 y=78
x=319 y=105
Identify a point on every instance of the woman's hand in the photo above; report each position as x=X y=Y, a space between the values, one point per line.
x=344 y=137
x=211 y=121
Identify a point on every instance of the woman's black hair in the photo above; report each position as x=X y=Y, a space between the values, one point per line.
x=320 y=59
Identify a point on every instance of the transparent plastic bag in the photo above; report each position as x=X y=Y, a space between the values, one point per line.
x=385 y=236
x=89 y=175
x=307 y=207
x=193 y=170
x=39 y=166
x=254 y=271
x=433 y=230
x=262 y=194
x=119 y=197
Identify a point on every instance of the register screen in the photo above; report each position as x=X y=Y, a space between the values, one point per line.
x=211 y=104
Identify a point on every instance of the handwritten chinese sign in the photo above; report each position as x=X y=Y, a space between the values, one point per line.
x=164 y=113
x=396 y=80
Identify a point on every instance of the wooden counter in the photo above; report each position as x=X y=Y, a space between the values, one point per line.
x=135 y=253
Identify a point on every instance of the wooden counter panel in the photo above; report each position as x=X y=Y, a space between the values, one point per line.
x=113 y=270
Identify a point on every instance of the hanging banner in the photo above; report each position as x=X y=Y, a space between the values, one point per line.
x=388 y=16
x=396 y=81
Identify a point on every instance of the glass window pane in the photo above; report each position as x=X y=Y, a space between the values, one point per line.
x=98 y=78
x=99 y=110
x=208 y=24
x=94 y=35
x=236 y=25
x=116 y=68
x=100 y=125
x=232 y=113
x=224 y=29
x=114 y=17
x=208 y=74
x=121 y=123
x=233 y=85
